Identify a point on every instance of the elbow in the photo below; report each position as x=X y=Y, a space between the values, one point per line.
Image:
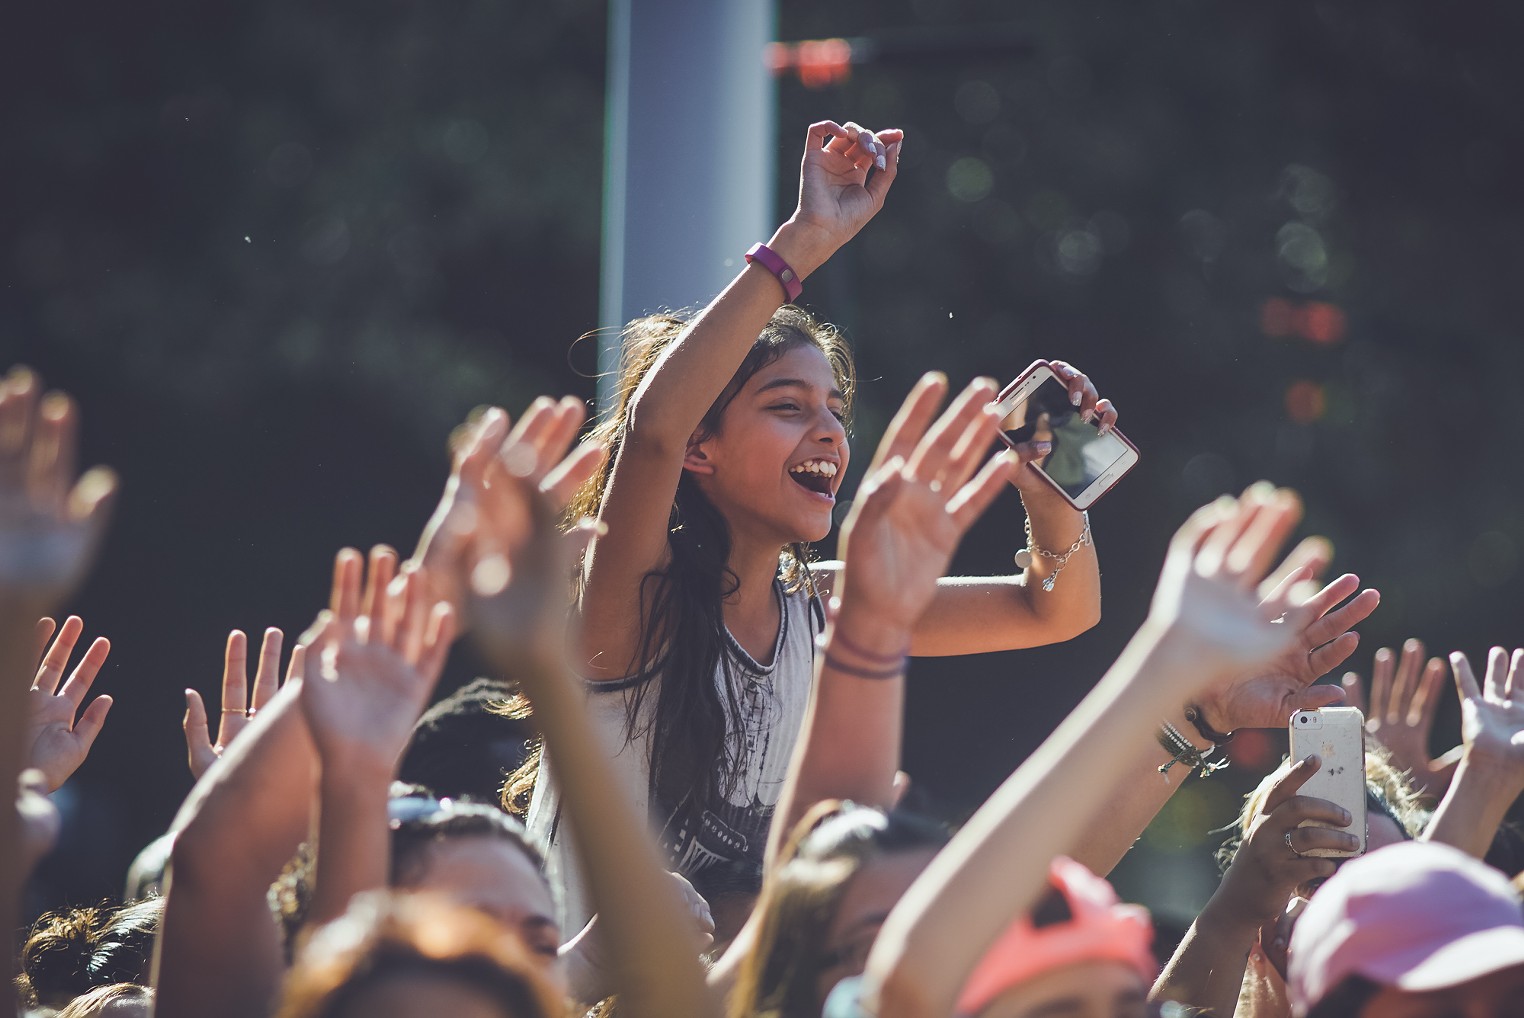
x=1074 y=621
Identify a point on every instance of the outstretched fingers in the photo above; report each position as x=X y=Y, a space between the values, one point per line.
x=911 y=421
x=980 y=493
x=267 y=672
x=51 y=670
x=936 y=458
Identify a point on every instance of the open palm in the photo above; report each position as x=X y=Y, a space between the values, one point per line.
x=58 y=742
x=1492 y=717
x=920 y=497
x=1319 y=639
x=50 y=525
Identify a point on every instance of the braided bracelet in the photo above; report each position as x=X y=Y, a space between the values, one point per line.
x=836 y=663
x=1183 y=752
x=1024 y=556
x=1197 y=717
x=858 y=650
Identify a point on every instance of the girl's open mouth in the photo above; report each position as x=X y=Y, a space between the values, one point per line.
x=815 y=475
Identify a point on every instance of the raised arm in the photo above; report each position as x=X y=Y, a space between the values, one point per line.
x=845 y=175
x=515 y=572
x=50 y=527
x=1260 y=698
x=1490 y=775
x=1207 y=969
x=361 y=700
x=239 y=702
x=219 y=951
x=919 y=498
x=1205 y=624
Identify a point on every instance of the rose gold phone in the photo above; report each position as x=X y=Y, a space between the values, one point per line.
x=1337 y=736
x=1084 y=463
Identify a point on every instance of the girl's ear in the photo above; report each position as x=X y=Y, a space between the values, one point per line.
x=696 y=459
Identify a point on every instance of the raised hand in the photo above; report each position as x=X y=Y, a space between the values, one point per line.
x=512 y=563
x=1206 y=600
x=921 y=495
x=50 y=524
x=1492 y=716
x=1404 y=698
x=1272 y=862
x=58 y=743
x=843 y=179
x=538 y=451
x=239 y=703
x=374 y=659
x=1266 y=697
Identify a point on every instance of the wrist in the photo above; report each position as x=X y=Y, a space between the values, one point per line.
x=1491 y=773
x=1225 y=919
x=869 y=630
x=805 y=246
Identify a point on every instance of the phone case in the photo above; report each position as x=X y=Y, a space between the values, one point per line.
x=1093 y=495
x=1337 y=736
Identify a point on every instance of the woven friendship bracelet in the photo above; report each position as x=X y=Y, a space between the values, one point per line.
x=1183 y=752
x=836 y=663
x=858 y=650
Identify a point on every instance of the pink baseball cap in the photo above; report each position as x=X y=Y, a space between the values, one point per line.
x=1099 y=928
x=1416 y=916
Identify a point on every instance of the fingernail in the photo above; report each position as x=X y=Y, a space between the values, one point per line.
x=1104 y=429
x=1347 y=818
x=1088 y=416
x=1042 y=448
x=1076 y=398
x=880 y=161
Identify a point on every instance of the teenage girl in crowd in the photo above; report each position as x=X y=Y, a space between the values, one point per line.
x=726 y=452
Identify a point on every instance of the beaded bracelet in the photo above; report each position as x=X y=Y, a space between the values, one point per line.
x=1183 y=752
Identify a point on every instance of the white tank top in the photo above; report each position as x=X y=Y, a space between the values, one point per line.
x=734 y=828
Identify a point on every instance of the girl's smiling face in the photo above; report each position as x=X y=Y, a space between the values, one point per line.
x=775 y=463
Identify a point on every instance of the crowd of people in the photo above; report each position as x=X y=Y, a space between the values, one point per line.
x=706 y=822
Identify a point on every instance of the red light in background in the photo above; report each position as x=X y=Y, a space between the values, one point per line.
x=1321 y=322
x=1305 y=402
x=1316 y=321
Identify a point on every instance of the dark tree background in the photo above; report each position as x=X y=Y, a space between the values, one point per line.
x=279 y=250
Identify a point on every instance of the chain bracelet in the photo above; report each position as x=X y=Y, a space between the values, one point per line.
x=1024 y=556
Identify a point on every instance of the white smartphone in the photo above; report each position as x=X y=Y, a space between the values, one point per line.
x=1337 y=736
x=1084 y=463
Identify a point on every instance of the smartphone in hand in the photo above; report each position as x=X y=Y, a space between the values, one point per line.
x=1337 y=736
x=1084 y=463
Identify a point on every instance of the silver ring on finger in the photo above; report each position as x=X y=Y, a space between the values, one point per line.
x=1291 y=846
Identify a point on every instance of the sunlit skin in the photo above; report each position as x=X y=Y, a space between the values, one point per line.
x=1091 y=989
x=787 y=413
x=493 y=876
x=1499 y=995
x=870 y=894
x=419 y=995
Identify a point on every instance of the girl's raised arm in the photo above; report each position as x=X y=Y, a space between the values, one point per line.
x=845 y=175
x=1206 y=623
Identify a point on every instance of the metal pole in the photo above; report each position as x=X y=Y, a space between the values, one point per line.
x=690 y=152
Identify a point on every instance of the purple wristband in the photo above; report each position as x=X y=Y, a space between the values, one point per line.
x=769 y=260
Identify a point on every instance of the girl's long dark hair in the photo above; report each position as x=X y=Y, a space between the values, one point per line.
x=682 y=606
